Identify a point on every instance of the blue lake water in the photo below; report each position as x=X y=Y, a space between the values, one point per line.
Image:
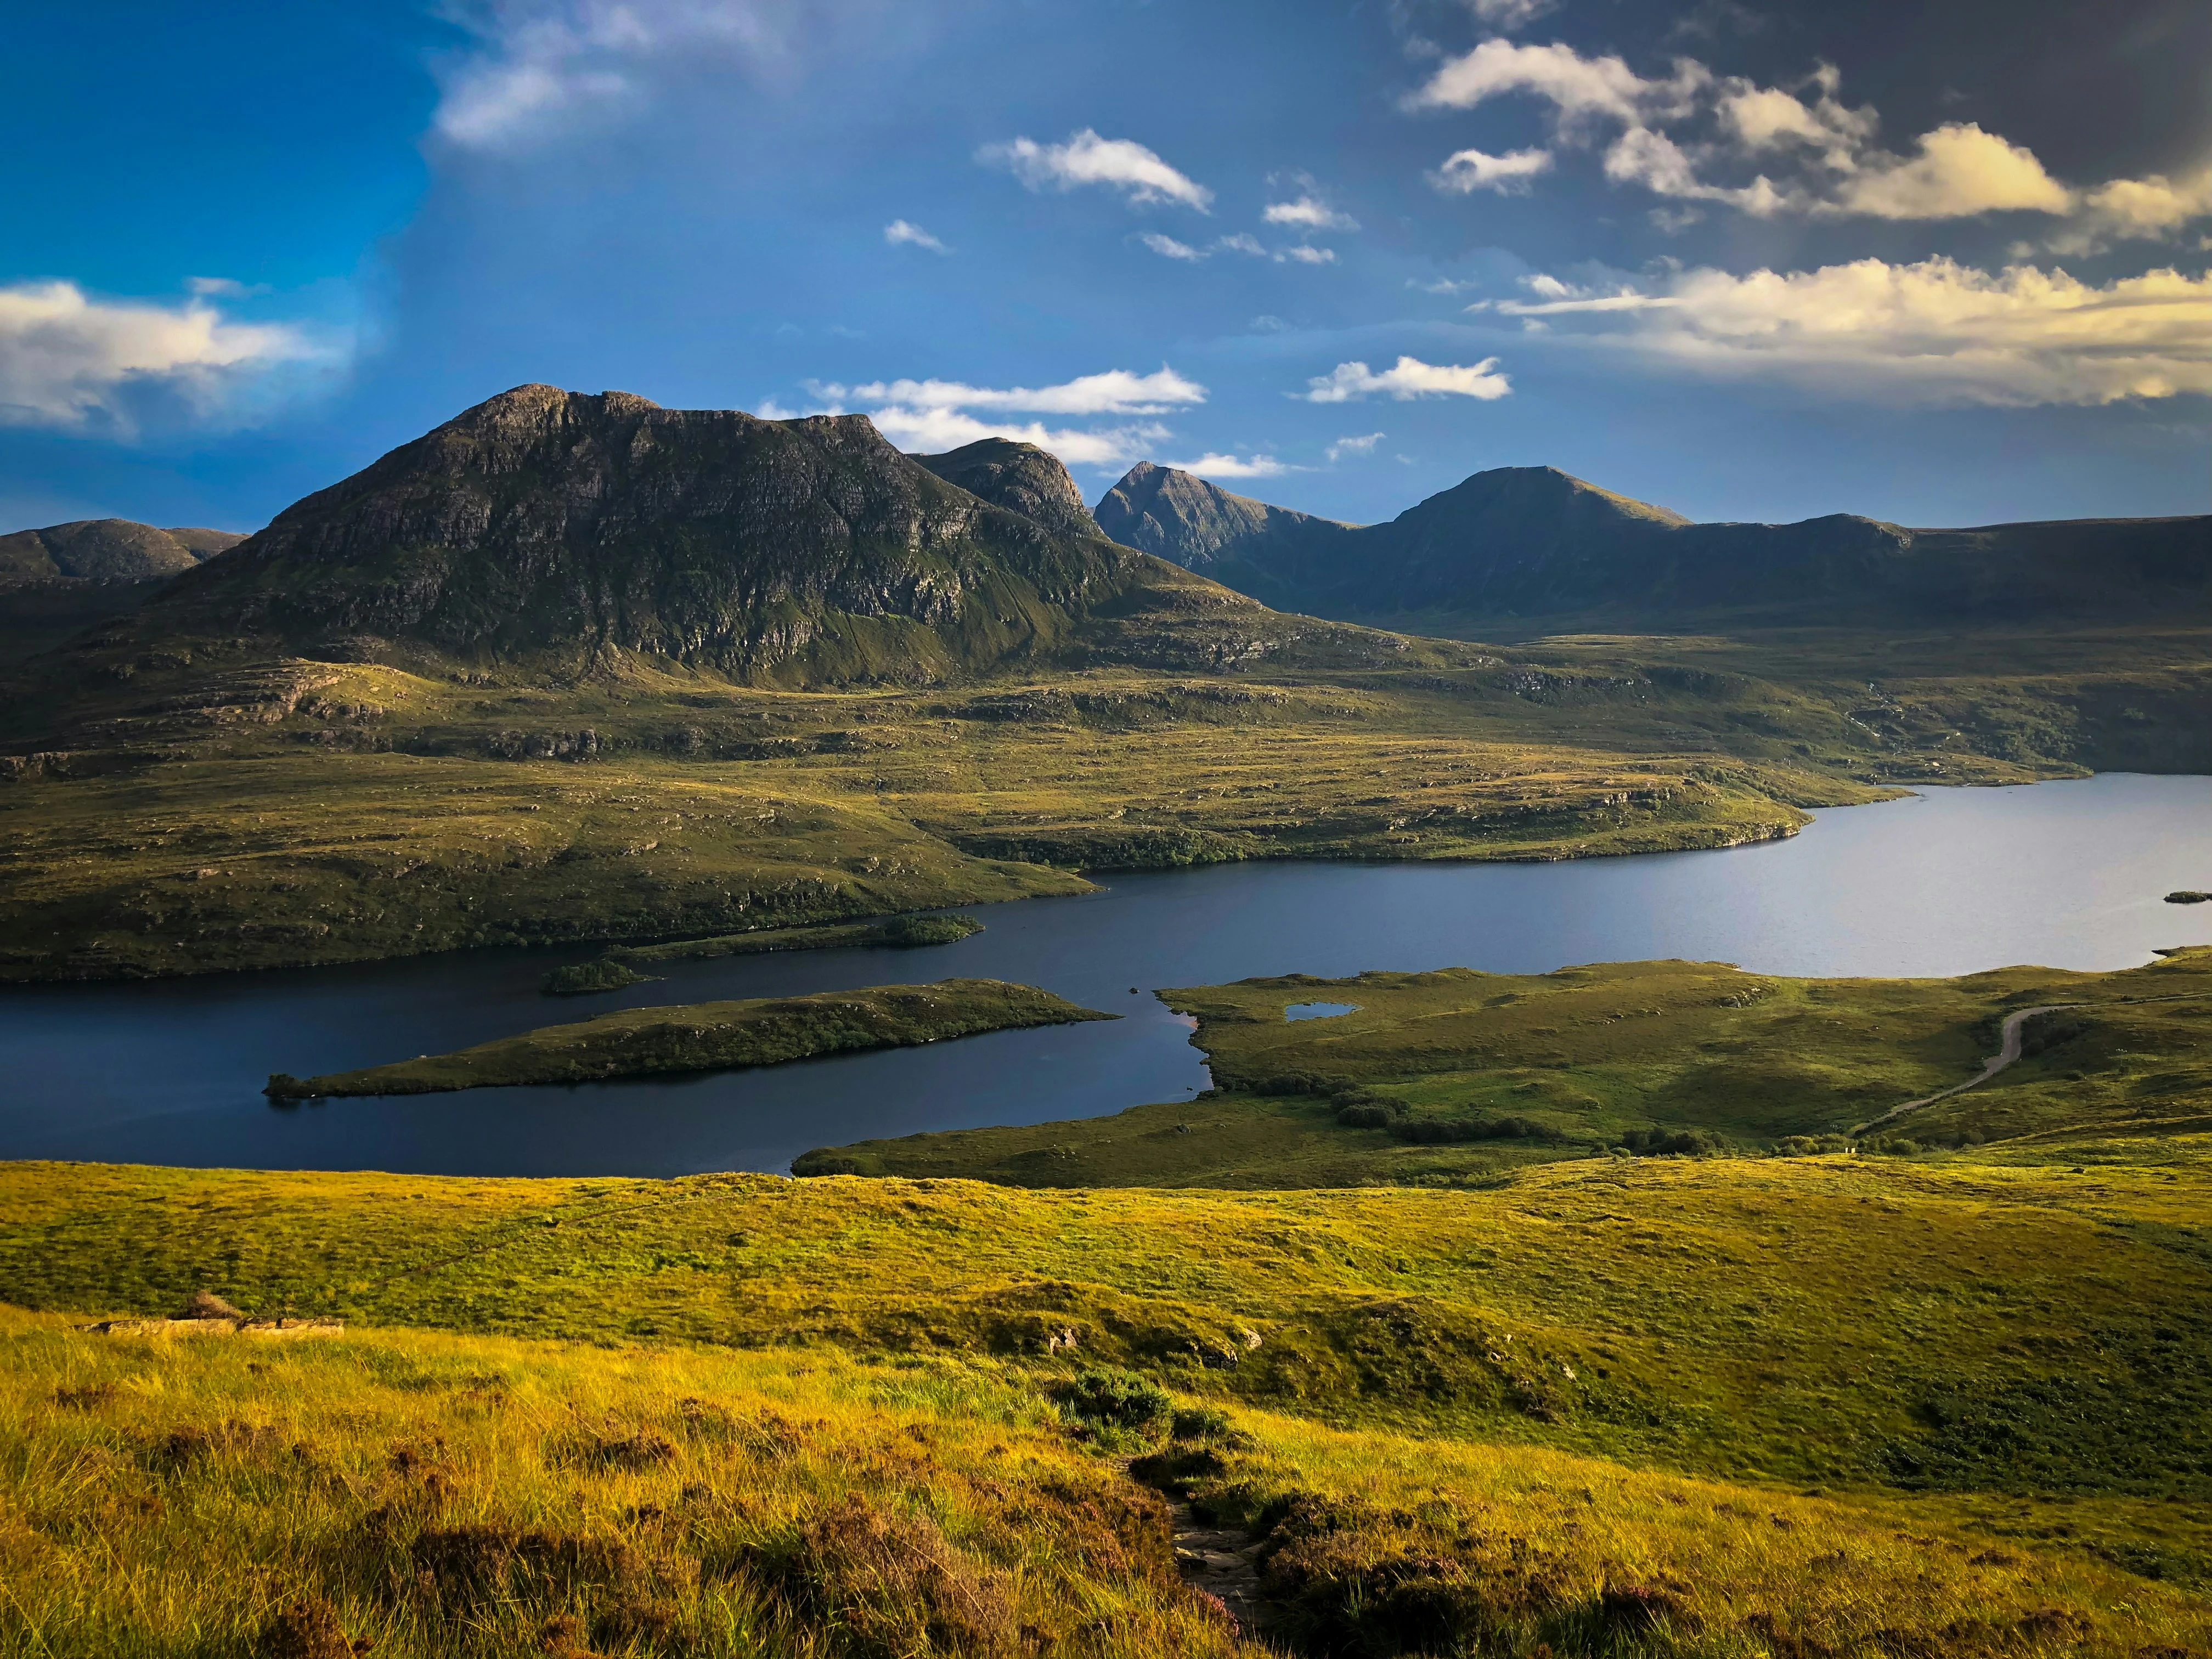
x=1319 y=1010
x=2069 y=874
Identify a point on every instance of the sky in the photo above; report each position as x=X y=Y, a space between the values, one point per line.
x=1941 y=265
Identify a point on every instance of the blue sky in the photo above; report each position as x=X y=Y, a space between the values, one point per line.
x=1748 y=261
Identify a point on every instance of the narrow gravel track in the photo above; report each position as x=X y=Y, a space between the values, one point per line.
x=2007 y=1055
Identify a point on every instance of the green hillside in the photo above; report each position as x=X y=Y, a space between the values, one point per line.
x=1609 y=1407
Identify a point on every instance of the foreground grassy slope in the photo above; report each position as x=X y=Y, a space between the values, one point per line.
x=1460 y=1076
x=1870 y=1322
x=704 y=1037
x=1716 y=1408
x=420 y=1494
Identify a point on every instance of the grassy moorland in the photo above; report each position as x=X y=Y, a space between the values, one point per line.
x=705 y=1036
x=1663 y=1405
x=1459 y=1076
x=201 y=818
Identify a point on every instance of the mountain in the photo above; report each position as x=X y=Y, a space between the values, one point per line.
x=1020 y=478
x=108 y=550
x=565 y=528
x=1247 y=544
x=1533 y=541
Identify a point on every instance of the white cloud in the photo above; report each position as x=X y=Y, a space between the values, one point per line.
x=904 y=232
x=1508 y=174
x=1823 y=149
x=1167 y=248
x=2154 y=206
x=1577 y=87
x=1407 y=379
x=78 y=363
x=1086 y=159
x=1363 y=444
x=1960 y=171
x=1308 y=212
x=1231 y=466
x=223 y=287
x=1241 y=242
x=932 y=415
x=537 y=65
x=1932 y=332
x=1510 y=15
x=1117 y=392
x=933 y=431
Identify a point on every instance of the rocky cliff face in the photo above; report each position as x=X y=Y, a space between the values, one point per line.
x=1020 y=478
x=1529 y=542
x=107 y=550
x=548 y=522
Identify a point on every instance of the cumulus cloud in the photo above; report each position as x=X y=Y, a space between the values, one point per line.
x=1960 y=171
x=1407 y=379
x=1121 y=164
x=1363 y=444
x=1691 y=136
x=932 y=416
x=1935 y=331
x=1469 y=170
x=1577 y=87
x=1212 y=465
x=903 y=232
x=1306 y=255
x=75 y=363
x=1309 y=212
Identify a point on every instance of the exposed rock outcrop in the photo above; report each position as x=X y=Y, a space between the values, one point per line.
x=1020 y=478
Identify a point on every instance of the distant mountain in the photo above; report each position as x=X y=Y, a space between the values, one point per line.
x=1247 y=544
x=1020 y=478
x=566 y=529
x=1533 y=541
x=108 y=550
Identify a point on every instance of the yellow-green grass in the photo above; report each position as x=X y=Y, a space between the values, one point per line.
x=702 y=1036
x=314 y=812
x=432 y=1494
x=1458 y=1075
x=1856 y=1321
x=2111 y=698
x=439 y=1496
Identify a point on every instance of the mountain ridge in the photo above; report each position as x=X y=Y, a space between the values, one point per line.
x=108 y=549
x=1512 y=542
x=545 y=524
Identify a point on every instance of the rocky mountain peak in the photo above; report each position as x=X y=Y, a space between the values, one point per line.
x=573 y=527
x=1020 y=478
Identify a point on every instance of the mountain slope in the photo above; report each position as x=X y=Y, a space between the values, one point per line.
x=1534 y=542
x=1020 y=478
x=1267 y=551
x=108 y=550
x=559 y=528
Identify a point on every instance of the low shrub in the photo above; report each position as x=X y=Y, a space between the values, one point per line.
x=1115 y=1398
x=1676 y=1143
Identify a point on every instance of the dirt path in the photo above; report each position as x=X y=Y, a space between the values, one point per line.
x=2007 y=1054
x=1225 y=1564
